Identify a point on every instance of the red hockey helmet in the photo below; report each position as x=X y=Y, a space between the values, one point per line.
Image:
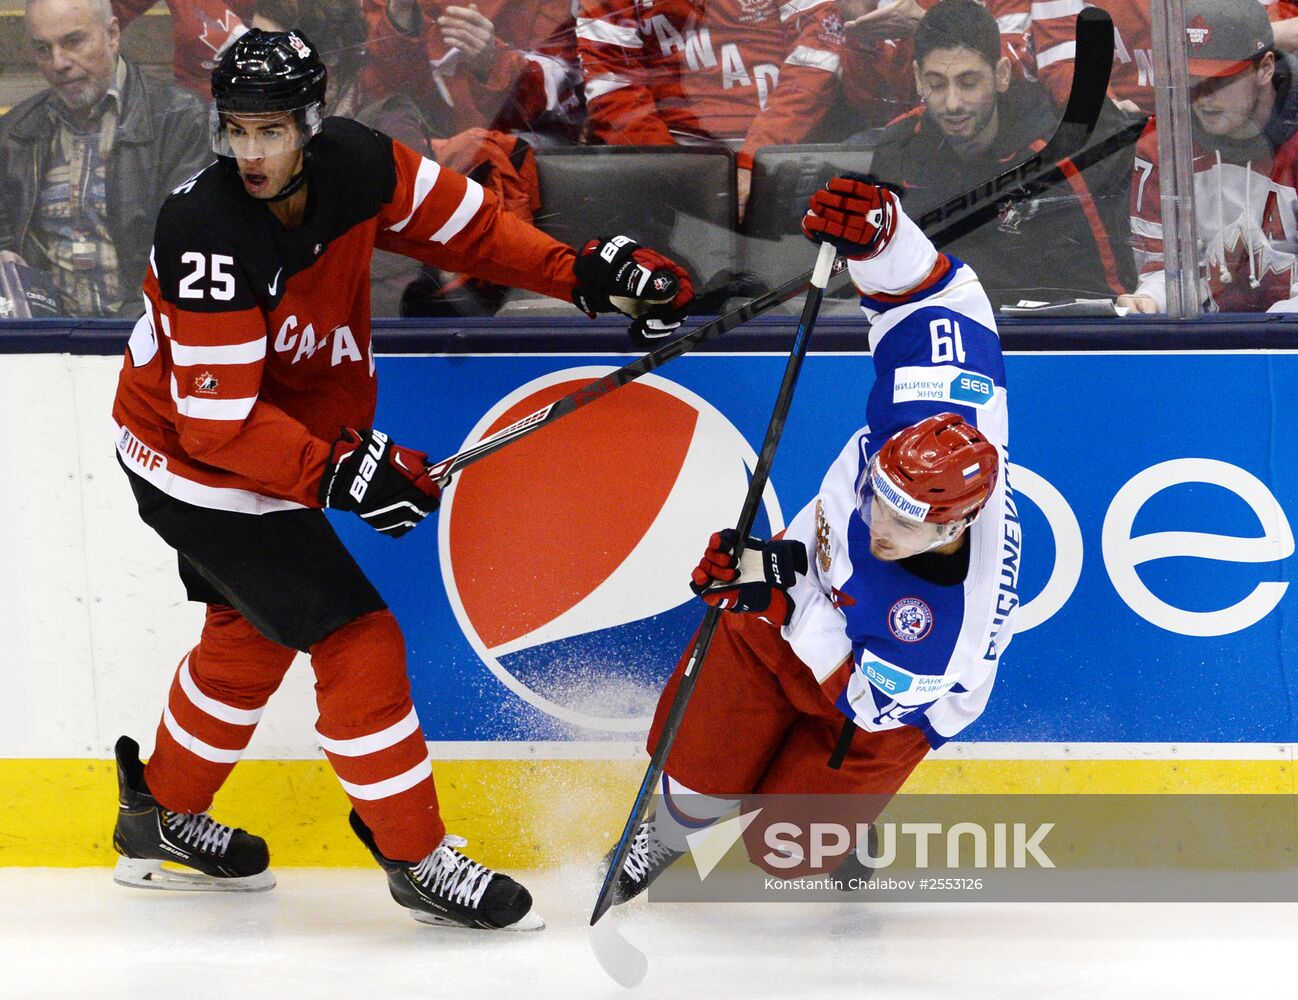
x=939 y=471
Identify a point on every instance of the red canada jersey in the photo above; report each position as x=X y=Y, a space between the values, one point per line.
x=254 y=348
x=1053 y=27
x=765 y=71
x=201 y=31
x=533 y=80
x=1246 y=212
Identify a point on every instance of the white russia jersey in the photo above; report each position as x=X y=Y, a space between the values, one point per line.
x=925 y=653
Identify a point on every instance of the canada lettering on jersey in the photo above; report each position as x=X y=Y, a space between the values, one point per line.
x=695 y=44
x=307 y=344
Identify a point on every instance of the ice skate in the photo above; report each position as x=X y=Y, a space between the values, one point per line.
x=450 y=889
x=162 y=849
x=648 y=858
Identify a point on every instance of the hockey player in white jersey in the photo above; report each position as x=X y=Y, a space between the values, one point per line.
x=871 y=631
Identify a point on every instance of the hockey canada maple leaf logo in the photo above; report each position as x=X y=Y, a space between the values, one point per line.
x=218 y=33
x=206 y=382
x=1198 y=32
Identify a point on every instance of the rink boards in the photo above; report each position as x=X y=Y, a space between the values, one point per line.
x=548 y=601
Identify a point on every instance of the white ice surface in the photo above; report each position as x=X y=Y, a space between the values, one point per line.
x=71 y=933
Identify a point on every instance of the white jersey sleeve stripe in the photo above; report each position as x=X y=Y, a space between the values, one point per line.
x=598 y=86
x=362 y=745
x=1057 y=53
x=463 y=214
x=1143 y=227
x=390 y=786
x=224 y=354
x=425 y=179
x=211 y=409
x=814 y=58
x=794 y=7
x=1049 y=9
x=594 y=30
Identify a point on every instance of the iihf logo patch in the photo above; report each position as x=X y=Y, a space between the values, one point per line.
x=910 y=619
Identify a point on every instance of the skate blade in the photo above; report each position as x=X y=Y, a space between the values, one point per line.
x=140 y=873
x=529 y=921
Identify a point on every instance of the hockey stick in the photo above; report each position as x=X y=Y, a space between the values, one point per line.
x=747 y=515
x=1090 y=82
x=443 y=470
x=946 y=222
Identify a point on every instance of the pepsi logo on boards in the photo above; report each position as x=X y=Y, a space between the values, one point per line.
x=566 y=556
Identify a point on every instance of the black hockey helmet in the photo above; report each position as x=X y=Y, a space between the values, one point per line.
x=269 y=73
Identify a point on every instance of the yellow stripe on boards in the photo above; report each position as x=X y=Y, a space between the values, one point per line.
x=516 y=814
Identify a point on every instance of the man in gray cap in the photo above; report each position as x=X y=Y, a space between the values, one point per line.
x=1245 y=133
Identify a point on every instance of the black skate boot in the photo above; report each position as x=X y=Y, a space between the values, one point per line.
x=215 y=856
x=648 y=858
x=448 y=888
x=853 y=874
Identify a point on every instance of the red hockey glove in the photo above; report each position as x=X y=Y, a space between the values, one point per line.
x=617 y=274
x=387 y=485
x=855 y=213
x=758 y=584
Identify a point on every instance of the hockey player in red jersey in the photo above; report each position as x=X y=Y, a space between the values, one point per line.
x=760 y=72
x=1244 y=103
x=245 y=405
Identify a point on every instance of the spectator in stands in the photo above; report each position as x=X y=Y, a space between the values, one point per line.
x=1070 y=242
x=502 y=163
x=757 y=74
x=85 y=165
x=343 y=27
x=878 y=79
x=201 y=31
x=493 y=64
x=1245 y=140
x=1132 y=85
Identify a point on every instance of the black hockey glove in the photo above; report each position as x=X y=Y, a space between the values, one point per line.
x=617 y=274
x=759 y=584
x=387 y=485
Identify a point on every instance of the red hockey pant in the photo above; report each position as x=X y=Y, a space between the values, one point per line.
x=367 y=723
x=759 y=723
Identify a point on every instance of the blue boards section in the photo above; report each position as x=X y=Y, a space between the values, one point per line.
x=1175 y=472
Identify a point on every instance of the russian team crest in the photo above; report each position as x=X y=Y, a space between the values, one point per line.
x=566 y=556
x=910 y=619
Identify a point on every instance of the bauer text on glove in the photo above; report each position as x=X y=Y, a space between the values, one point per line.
x=758 y=583
x=386 y=484
x=617 y=274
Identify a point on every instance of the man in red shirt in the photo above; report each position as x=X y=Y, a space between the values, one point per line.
x=253 y=352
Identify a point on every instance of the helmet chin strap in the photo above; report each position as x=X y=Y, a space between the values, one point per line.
x=291 y=188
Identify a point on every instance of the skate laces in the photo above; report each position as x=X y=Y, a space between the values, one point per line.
x=647 y=852
x=447 y=872
x=199 y=830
